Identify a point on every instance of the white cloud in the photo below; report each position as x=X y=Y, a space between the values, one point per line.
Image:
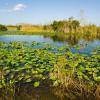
x=19 y=7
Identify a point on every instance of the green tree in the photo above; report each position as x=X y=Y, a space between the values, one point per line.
x=75 y=24
x=55 y=25
x=3 y=28
x=19 y=27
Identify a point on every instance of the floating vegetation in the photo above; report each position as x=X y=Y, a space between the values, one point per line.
x=36 y=63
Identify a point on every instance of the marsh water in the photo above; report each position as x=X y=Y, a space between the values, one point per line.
x=48 y=93
x=50 y=40
x=89 y=44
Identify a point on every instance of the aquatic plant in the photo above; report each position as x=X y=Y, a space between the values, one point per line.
x=21 y=63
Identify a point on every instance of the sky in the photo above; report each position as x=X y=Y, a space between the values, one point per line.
x=46 y=11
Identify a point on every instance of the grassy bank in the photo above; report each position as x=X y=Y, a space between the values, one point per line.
x=26 y=33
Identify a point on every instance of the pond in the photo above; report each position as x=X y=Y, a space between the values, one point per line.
x=90 y=45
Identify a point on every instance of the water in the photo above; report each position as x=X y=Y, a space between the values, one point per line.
x=37 y=38
x=30 y=38
x=89 y=45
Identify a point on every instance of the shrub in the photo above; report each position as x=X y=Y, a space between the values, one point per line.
x=3 y=28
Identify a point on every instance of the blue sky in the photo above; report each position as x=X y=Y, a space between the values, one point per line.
x=45 y=11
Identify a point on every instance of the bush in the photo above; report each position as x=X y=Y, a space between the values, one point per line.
x=3 y=28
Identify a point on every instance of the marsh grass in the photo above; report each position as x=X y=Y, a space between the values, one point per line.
x=71 y=88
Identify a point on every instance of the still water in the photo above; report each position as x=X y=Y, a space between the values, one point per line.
x=91 y=44
x=37 y=38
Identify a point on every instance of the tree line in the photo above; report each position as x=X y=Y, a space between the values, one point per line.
x=72 y=26
x=65 y=26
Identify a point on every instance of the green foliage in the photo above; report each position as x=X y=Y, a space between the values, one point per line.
x=22 y=64
x=19 y=27
x=66 y=26
x=74 y=26
x=36 y=84
x=3 y=28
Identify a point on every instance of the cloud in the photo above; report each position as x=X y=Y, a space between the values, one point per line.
x=19 y=7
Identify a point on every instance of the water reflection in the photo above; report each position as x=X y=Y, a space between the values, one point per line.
x=58 y=40
x=73 y=39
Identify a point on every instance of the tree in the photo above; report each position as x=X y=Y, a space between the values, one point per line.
x=75 y=24
x=19 y=27
x=45 y=27
x=55 y=25
x=98 y=30
x=3 y=28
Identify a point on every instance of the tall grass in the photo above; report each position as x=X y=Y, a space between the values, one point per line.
x=69 y=87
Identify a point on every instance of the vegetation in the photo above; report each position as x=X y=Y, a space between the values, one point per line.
x=26 y=28
x=64 y=26
x=19 y=27
x=32 y=28
x=3 y=28
x=76 y=76
x=28 y=66
x=11 y=27
x=71 y=38
x=74 y=26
